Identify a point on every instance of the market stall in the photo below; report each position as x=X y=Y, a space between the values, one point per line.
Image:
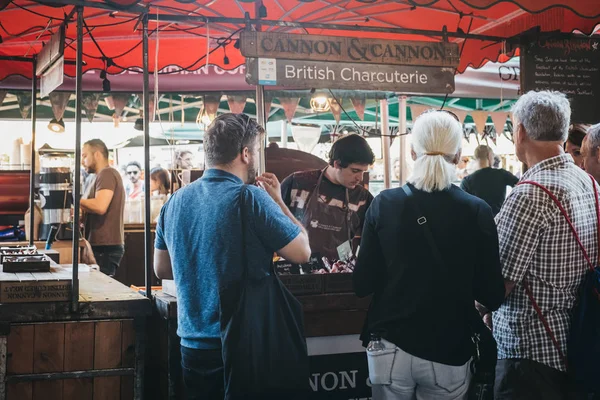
x=333 y=314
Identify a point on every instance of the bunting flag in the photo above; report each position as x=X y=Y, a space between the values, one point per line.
x=335 y=108
x=238 y=103
x=3 y=94
x=359 y=106
x=499 y=120
x=306 y=137
x=117 y=102
x=417 y=109
x=90 y=103
x=461 y=114
x=211 y=106
x=59 y=102
x=24 y=100
x=480 y=118
x=289 y=105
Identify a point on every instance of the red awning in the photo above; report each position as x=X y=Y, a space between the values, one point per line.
x=112 y=39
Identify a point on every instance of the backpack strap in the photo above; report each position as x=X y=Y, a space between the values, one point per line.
x=544 y=321
x=566 y=216
x=526 y=285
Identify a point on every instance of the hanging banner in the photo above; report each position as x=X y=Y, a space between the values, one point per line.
x=480 y=118
x=335 y=75
x=24 y=100
x=211 y=105
x=359 y=106
x=348 y=49
x=335 y=108
x=59 y=101
x=90 y=104
x=461 y=114
x=499 y=120
x=417 y=109
x=289 y=105
x=237 y=104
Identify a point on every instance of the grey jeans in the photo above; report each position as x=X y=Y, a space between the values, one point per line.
x=414 y=378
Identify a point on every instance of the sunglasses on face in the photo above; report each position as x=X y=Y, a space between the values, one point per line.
x=444 y=111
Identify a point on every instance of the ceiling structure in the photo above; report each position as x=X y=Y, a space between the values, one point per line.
x=188 y=34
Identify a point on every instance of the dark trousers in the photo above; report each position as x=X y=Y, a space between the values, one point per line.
x=520 y=379
x=108 y=258
x=202 y=374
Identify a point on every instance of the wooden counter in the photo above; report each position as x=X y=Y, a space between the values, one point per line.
x=49 y=352
x=324 y=315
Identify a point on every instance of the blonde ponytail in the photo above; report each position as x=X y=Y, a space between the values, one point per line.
x=436 y=140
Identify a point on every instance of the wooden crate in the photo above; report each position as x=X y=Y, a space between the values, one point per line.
x=35 y=287
x=70 y=352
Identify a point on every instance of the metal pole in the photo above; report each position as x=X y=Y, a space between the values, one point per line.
x=147 y=234
x=77 y=169
x=32 y=162
x=261 y=116
x=403 y=140
x=386 y=142
x=284 y=137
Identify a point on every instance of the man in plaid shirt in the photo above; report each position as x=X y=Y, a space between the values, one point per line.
x=538 y=247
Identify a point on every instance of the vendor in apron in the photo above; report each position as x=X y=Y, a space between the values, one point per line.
x=331 y=203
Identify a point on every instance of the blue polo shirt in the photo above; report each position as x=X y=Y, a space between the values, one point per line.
x=200 y=226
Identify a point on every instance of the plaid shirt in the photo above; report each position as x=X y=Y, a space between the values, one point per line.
x=537 y=244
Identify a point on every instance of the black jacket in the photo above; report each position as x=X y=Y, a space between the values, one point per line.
x=418 y=305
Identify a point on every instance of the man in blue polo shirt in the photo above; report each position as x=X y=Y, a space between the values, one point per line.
x=199 y=242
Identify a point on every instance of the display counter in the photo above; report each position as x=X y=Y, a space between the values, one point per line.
x=333 y=322
x=48 y=351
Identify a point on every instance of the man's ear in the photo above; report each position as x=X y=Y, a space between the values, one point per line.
x=245 y=155
x=337 y=164
x=520 y=134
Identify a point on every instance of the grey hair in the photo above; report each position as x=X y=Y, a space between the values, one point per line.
x=545 y=115
x=436 y=139
x=593 y=134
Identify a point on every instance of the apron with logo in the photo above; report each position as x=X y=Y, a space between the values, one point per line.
x=327 y=226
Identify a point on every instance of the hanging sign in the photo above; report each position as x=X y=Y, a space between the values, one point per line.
x=53 y=77
x=335 y=75
x=51 y=51
x=349 y=49
x=570 y=66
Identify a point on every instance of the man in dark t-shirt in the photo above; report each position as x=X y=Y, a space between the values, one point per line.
x=332 y=203
x=104 y=208
x=488 y=183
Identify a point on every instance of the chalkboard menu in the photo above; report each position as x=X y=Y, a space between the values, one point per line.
x=570 y=66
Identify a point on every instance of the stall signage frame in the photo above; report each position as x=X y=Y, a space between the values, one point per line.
x=349 y=49
x=351 y=76
x=51 y=51
x=570 y=66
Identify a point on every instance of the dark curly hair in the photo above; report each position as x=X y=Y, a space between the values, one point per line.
x=351 y=149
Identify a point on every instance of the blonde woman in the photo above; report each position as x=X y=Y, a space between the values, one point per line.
x=423 y=297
